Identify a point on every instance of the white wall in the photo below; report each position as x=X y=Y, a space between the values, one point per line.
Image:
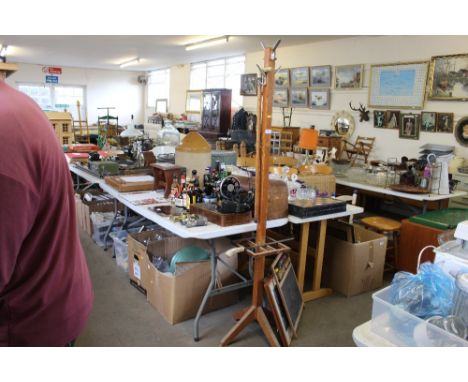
x=119 y=89
x=368 y=50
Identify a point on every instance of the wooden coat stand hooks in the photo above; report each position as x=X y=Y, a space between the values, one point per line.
x=260 y=249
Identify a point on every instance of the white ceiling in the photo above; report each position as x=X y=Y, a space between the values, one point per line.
x=107 y=52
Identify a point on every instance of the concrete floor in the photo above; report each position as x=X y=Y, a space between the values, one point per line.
x=122 y=317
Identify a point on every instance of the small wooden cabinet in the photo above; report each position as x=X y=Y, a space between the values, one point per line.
x=330 y=142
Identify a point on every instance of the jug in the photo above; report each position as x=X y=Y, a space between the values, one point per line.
x=440 y=173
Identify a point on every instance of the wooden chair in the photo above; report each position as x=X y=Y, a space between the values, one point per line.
x=359 y=149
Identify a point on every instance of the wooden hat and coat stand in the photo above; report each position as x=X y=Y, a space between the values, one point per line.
x=258 y=252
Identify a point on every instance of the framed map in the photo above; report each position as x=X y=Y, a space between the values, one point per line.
x=399 y=86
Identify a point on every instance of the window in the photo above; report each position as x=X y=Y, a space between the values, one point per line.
x=222 y=73
x=56 y=97
x=65 y=140
x=65 y=127
x=158 y=86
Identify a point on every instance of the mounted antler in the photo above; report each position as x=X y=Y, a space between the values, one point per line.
x=363 y=113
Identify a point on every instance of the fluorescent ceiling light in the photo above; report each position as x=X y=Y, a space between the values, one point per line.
x=3 y=50
x=210 y=42
x=131 y=62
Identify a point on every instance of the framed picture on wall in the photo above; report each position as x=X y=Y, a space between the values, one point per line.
x=320 y=76
x=399 y=86
x=300 y=77
x=449 y=78
x=281 y=98
x=428 y=121
x=248 y=84
x=282 y=78
x=409 y=126
x=379 y=119
x=319 y=99
x=299 y=97
x=393 y=119
x=349 y=76
x=444 y=122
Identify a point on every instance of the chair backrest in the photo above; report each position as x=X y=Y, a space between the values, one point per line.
x=366 y=143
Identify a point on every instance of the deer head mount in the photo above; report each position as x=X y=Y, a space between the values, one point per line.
x=363 y=113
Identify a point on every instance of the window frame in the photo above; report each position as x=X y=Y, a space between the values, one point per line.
x=148 y=105
x=84 y=104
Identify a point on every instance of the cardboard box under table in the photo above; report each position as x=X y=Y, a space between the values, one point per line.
x=351 y=267
x=178 y=296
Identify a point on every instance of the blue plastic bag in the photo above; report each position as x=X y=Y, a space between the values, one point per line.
x=428 y=293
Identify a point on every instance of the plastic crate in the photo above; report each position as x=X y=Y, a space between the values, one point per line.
x=101 y=222
x=404 y=329
x=120 y=247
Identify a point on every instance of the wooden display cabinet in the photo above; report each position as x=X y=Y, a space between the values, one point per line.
x=216 y=114
x=330 y=142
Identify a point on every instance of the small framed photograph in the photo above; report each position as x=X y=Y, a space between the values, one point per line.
x=428 y=121
x=409 y=126
x=282 y=78
x=393 y=119
x=349 y=76
x=248 y=84
x=444 y=123
x=319 y=99
x=300 y=77
x=299 y=97
x=320 y=76
x=281 y=98
x=379 y=119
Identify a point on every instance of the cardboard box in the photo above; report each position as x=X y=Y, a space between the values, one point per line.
x=137 y=257
x=178 y=296
x=354 y=268
x=84 y=209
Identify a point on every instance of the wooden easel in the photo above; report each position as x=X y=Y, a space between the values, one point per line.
x=260 y=250
x=80 y=124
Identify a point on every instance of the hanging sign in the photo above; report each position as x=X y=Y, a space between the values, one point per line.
x=52 y=70
x=51 y=79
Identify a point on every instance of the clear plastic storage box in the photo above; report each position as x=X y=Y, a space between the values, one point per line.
x=404 y=329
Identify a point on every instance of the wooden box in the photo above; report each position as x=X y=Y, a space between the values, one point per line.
x=121 y=185
x=219 y=218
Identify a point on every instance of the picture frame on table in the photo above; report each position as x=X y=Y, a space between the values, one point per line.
x=398 y=85
x=444 y=123
x=393 y=119
x=300 y=77
x=319 y=99
x=248 y=84
x=409 y=126
x=299 y=97
x=449 y=78
x=281 y=97
x=282 y=78
x=428 y=121
x=349 y=76
x=320 y=76
x=380 y=119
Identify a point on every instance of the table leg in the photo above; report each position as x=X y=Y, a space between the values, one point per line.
x=424 y=209
x=116 y=212
x=303 y=247
x=317 y=291
x=196 y=322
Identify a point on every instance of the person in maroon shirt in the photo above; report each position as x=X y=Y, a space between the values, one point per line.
x=45 y=289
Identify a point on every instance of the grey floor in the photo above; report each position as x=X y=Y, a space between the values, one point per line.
x=122 y=317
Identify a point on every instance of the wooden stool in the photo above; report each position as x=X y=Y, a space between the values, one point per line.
x=385 y=226
x=163 y=174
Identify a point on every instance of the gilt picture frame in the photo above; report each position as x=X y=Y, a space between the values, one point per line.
x=449 y=78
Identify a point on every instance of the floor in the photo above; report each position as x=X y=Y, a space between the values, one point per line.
x=122 y=317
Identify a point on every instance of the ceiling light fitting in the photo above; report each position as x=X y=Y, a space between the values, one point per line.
x=206 y=43
x=131 y=62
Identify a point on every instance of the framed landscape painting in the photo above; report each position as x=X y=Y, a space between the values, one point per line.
x=319 y=99
x=399 y=86
x=349 y=76
x=449 y=78
x=320 y=76
x=299 y=97
x=300 y=77
x=282 y=78
x=281 y=98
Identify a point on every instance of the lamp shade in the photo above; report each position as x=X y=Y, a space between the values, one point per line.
x=308 y=139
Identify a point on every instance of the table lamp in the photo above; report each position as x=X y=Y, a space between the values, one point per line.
x=308 y=140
